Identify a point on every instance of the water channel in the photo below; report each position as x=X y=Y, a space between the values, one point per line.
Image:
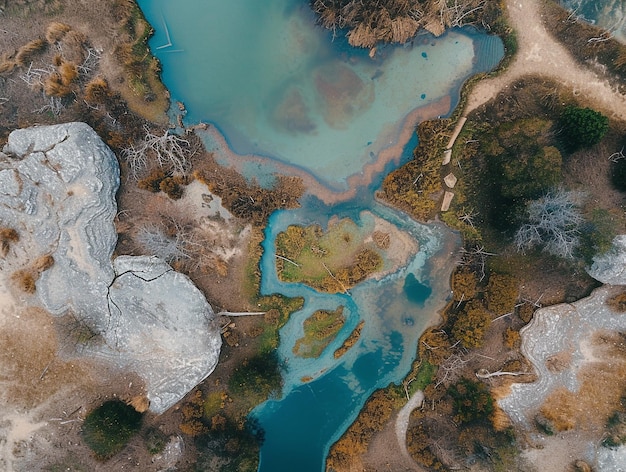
x=283 y=95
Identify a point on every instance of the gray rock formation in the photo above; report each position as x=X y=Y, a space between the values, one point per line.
x=559 y=343
x=163 y=325
x=57 y=190
x=60 y=198
x=610 y=268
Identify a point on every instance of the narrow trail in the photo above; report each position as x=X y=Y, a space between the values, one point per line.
x=540 y=54
x=402 y=421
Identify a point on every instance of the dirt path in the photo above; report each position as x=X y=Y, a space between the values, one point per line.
x=540 y=54
x=402 y=420
x=387 y=451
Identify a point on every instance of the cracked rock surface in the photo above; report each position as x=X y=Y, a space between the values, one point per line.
x=57 y=190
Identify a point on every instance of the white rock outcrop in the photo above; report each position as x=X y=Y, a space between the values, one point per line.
x=163 y=325
x=566 y=331
x=610 y=268
x=57 y=190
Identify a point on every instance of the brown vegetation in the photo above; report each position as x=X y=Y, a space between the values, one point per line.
x=350 y=340
x=247 y=200
x=25 y=281
x=160 y=181
x=319 y=330
x=56 y=31
x=192 y=412
x=398 y=20
x=417 y=186
x=372 y=418
x=502 y=293
x=471 y=324
x=618 y=302
x=464 y=284
x=26 y=53
x=7 y=236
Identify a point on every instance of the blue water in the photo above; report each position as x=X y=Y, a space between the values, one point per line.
x=607 y=14
x=278 y=87
x=303 y=424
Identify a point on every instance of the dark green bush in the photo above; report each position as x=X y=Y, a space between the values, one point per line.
x=471 y=400
x=155 y=440
x=258 y=377
x=582 y=127
x=108 y=428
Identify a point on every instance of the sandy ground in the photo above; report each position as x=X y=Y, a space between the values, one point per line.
x=540 y=54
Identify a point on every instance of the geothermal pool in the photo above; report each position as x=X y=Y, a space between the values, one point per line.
x=281 y=94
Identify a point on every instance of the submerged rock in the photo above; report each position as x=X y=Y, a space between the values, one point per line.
x=57 y=190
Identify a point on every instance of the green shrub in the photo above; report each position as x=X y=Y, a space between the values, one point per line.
x=582 y=127
x=108 y=428
x=472 y=401
x=155 y=440
x=257 y=378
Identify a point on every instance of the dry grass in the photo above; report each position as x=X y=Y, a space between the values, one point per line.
x=26 y=53
x=7 y=63
x=7 y=236
x=601 y=388
x=43 y=263
x=68 y=72
x=25 y=281
x=140 y=403
x=499 y=419
x=617 y=303
x=56 y=31
x=53 y=86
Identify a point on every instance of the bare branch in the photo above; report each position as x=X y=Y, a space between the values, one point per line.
x=168 y=150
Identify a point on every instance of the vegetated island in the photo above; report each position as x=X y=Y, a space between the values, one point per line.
x=319 y=330
x=342 y=256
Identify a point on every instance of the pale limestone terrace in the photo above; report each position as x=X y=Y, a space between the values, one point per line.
x=568 y=332
x=57 y=190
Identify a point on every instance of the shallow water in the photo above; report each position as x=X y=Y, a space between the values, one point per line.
x=608 y=14
x=303 y=424
x=281 y=92
x=276 y=85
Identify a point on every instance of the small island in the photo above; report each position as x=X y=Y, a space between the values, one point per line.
x=344 y=255
x=319 y=330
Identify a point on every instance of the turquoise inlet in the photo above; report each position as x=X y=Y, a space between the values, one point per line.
x=277 y=85
x=282 y=95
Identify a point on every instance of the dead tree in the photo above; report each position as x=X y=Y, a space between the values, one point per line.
x=553 y=223
x=616 y=156
x=156 y=242
x=167 y=150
